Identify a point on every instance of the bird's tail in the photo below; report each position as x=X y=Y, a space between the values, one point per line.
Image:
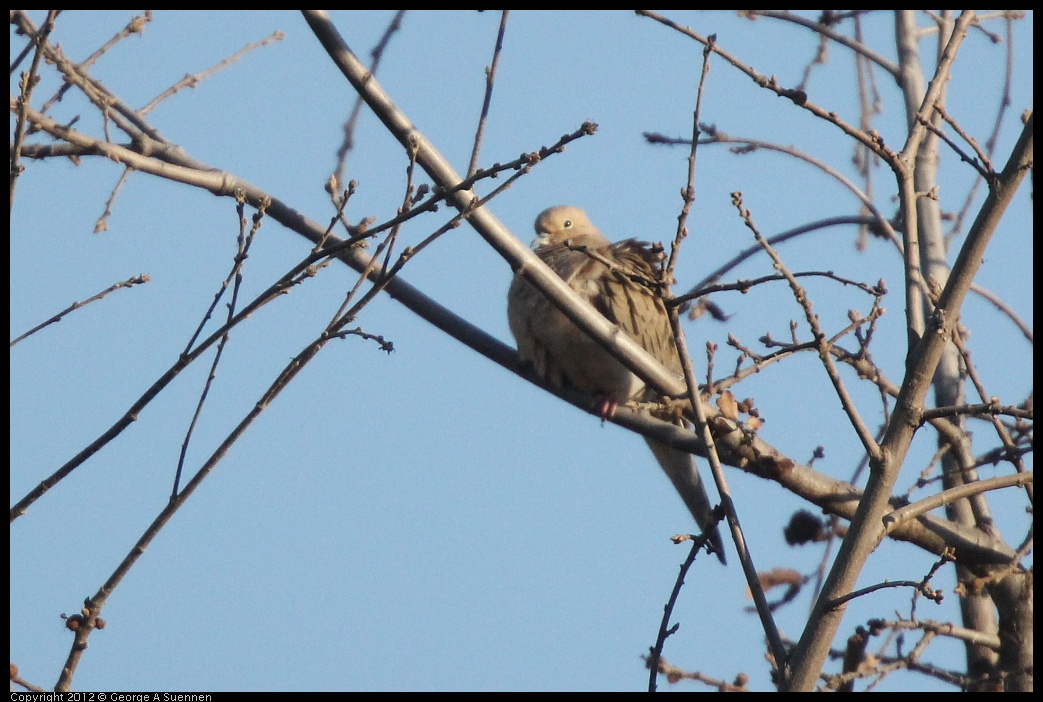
x=680 y=468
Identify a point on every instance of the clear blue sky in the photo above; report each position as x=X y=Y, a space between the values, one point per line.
x=425 y=520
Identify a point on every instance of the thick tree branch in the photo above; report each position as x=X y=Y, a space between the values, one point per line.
x=866 y=526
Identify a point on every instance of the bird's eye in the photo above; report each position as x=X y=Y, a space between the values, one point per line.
x=567 y=224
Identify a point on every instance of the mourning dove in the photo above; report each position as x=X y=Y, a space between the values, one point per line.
x=564 y=356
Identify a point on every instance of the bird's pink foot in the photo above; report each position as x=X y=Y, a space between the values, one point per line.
x=605 y=406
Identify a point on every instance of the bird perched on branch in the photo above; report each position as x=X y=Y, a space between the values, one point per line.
x=618 y=280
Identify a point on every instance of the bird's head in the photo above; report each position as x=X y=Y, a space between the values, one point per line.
x=561 y=223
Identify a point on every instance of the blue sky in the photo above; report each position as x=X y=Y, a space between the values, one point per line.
x=425 y=520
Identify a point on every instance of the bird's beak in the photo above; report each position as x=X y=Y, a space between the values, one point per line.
x=542 y=239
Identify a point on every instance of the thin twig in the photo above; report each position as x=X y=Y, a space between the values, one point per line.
x=192 y=80
x=688 y=192
x=665 y=630
x=990 y=143
x=942 y=629
x=915 y=584
x=922 y=362
x=980 y=165
x=868 y=441
x=1004 y=308
x=698 y=411
x=799 y=98
x=979 y=386
x=826 y=31
x=774 y=240
x=102 y=223
x=350 y=125
x=895 y=518
x=93 y=606
x=234 y=276
x=490 y=80
x=744 y=285
x=25 y=92
x=989 y=408
x=136 y=25
x=294 y=277
x=129 y=282
x=881 y=224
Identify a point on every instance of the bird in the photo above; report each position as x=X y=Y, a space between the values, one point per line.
x=607 y=275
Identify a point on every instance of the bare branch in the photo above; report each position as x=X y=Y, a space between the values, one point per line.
x=864 y=535
x=129 y=282
x=895 y=518
x=490 y=80
x=193 y=79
